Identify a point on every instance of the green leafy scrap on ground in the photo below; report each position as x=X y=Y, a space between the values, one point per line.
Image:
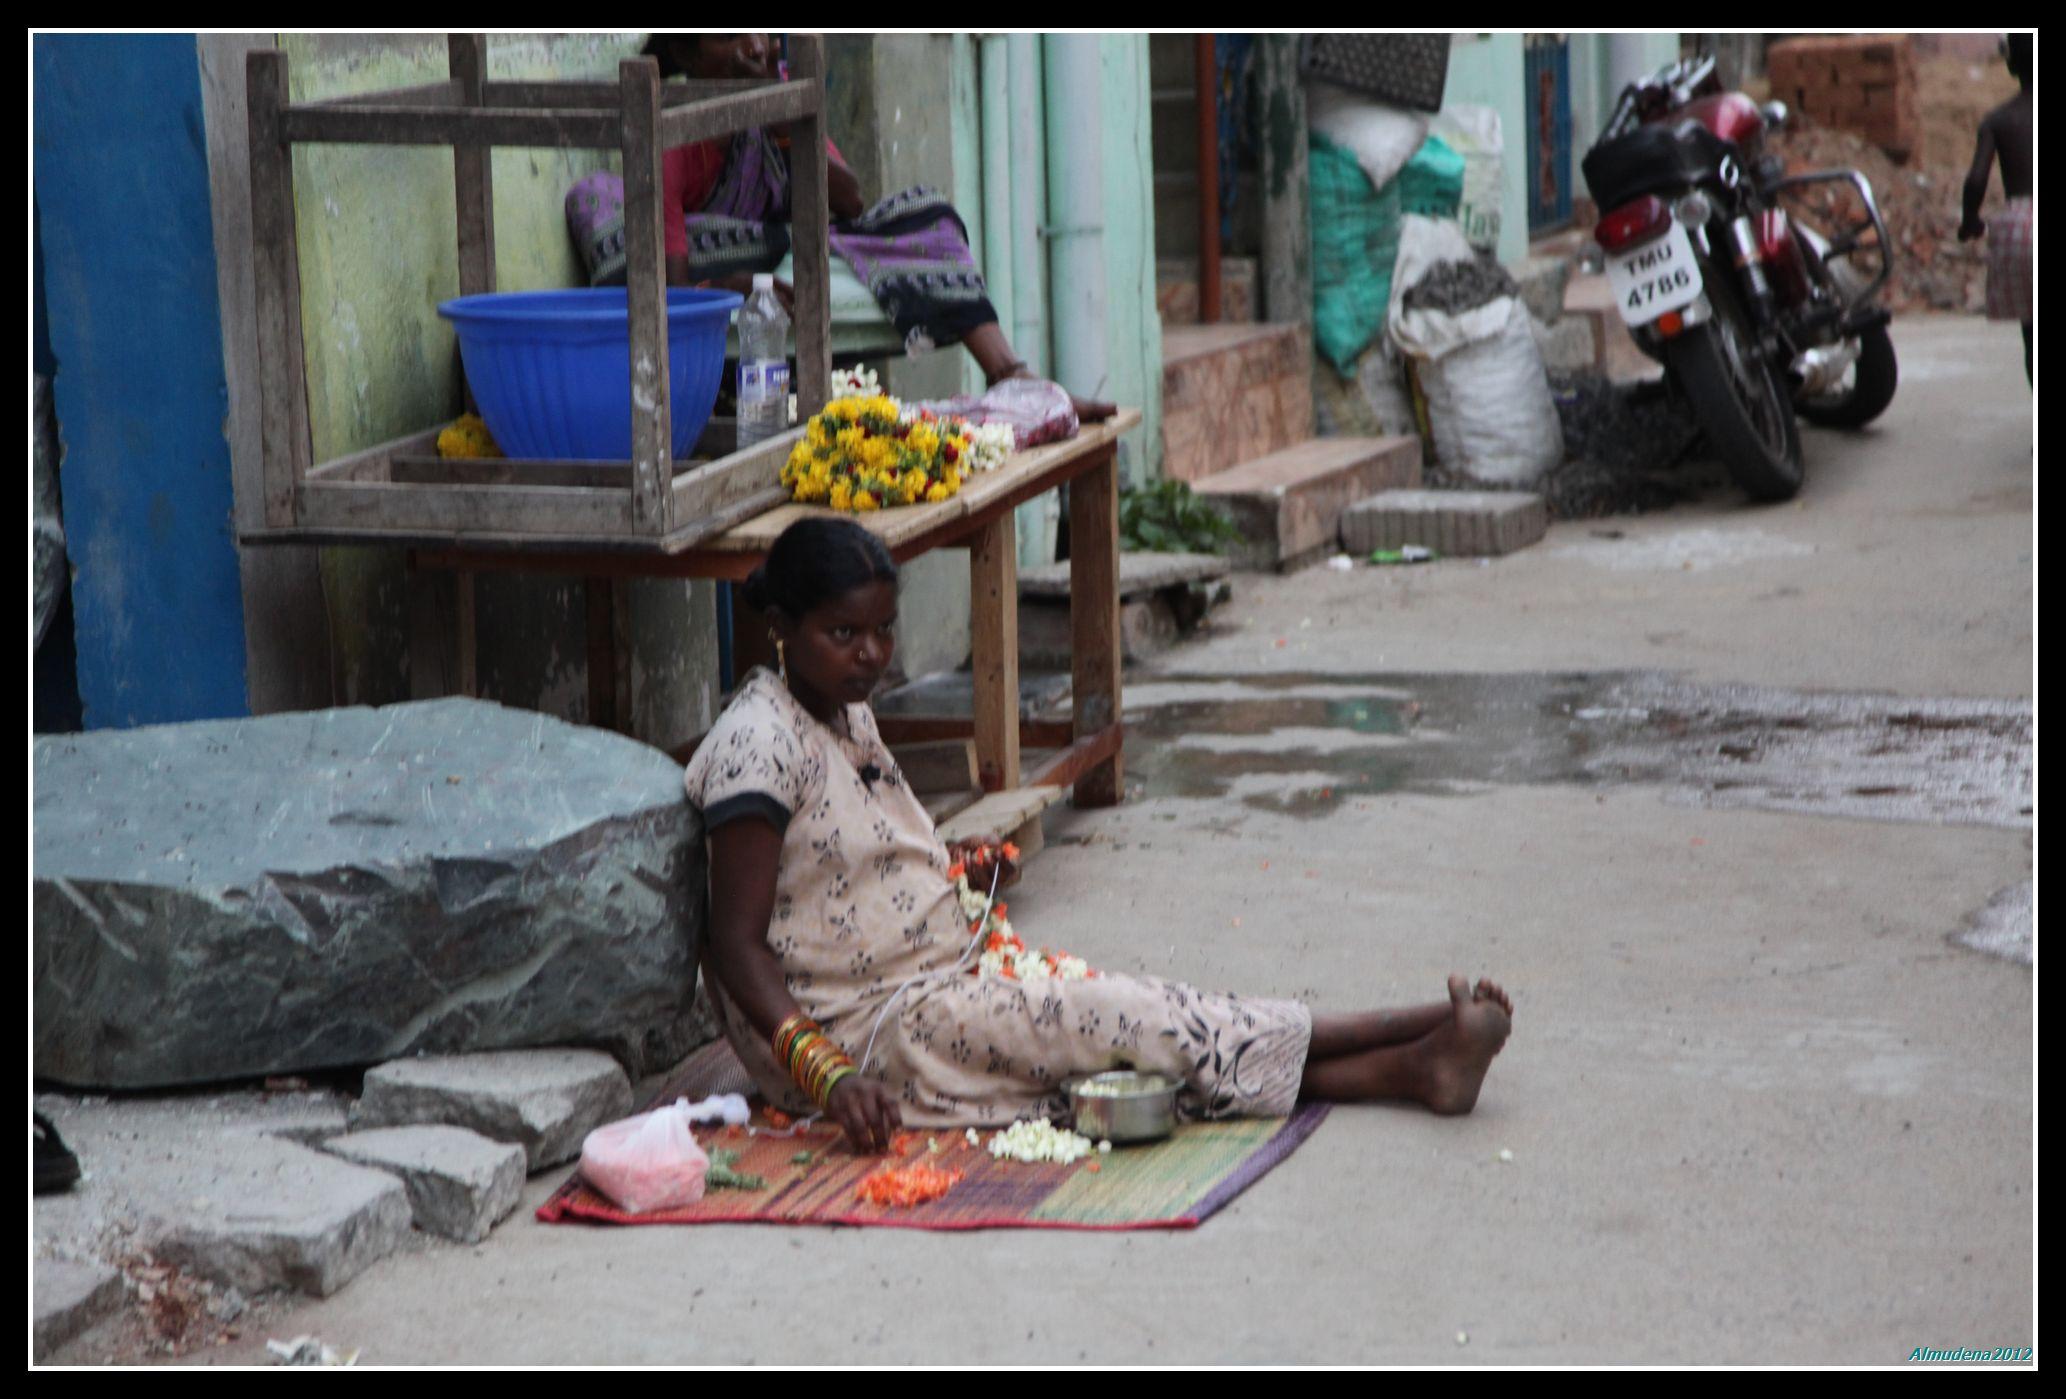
x=723 y=1173
x=1167 y=517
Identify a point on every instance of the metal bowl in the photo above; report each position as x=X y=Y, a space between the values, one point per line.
x=1124 y=1105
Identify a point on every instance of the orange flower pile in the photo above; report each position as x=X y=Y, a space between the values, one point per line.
x=902 y=1187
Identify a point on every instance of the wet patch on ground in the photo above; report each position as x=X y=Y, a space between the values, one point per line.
x=1302 y=744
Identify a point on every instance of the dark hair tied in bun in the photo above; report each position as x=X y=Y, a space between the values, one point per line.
x=815 y=560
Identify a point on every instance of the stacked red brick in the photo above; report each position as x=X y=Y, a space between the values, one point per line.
x=1862 y=83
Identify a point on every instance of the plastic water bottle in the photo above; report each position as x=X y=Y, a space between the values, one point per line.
x=763 y=364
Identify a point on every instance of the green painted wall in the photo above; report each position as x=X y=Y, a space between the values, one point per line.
x=1487 y=69
x=1133 y=328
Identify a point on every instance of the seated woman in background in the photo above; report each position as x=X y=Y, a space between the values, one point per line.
x=727 y=212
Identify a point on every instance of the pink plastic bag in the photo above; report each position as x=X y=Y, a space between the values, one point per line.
x=648 y=1162
x=1038 y=410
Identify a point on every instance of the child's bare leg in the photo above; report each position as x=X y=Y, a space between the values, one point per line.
x=1443 y=1069
x=1336 y=1035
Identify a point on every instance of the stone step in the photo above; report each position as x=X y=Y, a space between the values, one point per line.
x=1288 y=505
x=69 y=1297
x=1176 y=291
x=460 y=1184
x=1617 y=354
x=275 y=1214
x=544 y=1100
x=1232 y=393
x=1460 y=523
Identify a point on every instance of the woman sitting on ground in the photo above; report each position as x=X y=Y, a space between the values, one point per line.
x=840 y=949
x=726 y=209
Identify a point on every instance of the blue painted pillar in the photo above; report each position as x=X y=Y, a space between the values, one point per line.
x=121 y=192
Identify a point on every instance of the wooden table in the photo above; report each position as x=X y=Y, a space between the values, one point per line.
x=1089 y=744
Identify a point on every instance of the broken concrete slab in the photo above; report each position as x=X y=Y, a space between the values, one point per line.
x=276 y=1214
x=544 y=1100
x=1456 y=523
x=68 y=1297
x=1569 y=346
x=1140 y=573
x=1288 y=505
x=259 y=896
x=460 y=1184
x=1542 y=281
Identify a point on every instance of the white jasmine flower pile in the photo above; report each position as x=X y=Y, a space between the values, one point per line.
x=858 y=382
x=1040 y=1140
x=988 y=445
x=1004 y=955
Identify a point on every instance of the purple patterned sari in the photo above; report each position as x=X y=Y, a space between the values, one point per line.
x=910 y=250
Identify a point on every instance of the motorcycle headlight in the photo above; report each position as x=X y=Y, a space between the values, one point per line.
x=1693 y=210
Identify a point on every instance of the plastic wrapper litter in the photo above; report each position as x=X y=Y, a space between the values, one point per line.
x=1037 y=410
x=648 y=1162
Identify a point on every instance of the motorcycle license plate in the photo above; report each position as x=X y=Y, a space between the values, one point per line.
x=1659 y=276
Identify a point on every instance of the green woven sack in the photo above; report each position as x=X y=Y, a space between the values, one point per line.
x=1355 y=243
x=1432 y=182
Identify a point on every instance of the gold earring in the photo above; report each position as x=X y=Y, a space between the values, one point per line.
x=782 y=660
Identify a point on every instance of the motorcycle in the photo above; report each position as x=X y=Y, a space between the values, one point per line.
x=1756 y=317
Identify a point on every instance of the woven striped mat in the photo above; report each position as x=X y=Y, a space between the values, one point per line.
x=812 y=1178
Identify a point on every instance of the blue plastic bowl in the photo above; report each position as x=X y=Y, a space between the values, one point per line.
x=551 y=370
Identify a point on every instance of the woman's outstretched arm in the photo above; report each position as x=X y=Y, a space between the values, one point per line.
x=744 y=855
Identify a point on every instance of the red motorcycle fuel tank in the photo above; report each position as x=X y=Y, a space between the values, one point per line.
x=1731 y=116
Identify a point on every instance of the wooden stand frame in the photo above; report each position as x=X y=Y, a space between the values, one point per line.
x=401 y=491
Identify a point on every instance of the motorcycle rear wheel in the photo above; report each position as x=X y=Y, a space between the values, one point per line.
x=1873 y=380
x=1741 y=404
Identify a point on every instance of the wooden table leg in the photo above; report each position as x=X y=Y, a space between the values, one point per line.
x=1094 y=621
x=602 y=652
x=993 y=567
x=441 y=634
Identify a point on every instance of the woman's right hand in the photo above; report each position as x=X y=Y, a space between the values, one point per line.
x=864 y=1108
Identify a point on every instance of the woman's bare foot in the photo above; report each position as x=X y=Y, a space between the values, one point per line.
x=1489 y=990
x=1456 y=1055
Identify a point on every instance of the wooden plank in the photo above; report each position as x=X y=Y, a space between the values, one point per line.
x=1000 y=814
x=932 y=728
x=283 y=385
x=709 y=117
x=1094 y=622
x=1064 y=768
x=944 y=765
x=472 y=171
x=994 y=649
x=600 y=596
x=450 y=126
x=811 y=217
x=945 y=806
x=448 y=93
x=709 y=488
x=433 y=605
x=286 y=660
x=375 y=463
x=607 y=95
x=1023 y=473
x=417 y=468
x=645 y=272
x=466 y=635
x=532 y=510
